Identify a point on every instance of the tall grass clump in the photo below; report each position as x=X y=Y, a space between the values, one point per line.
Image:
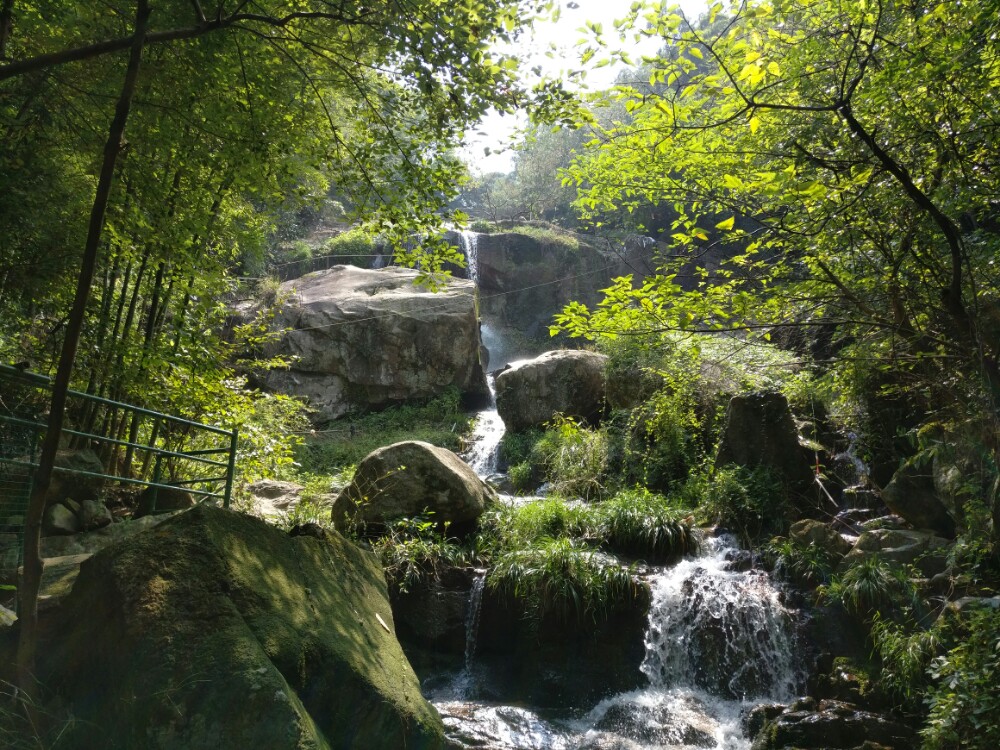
x=413 y=552
x=562 y=579
x=575 y=458
x=644 y=524
x=749 y=502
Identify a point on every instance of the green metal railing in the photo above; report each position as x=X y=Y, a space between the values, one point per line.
x=161 y=440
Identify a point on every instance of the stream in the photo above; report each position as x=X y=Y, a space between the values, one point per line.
x=718 y=641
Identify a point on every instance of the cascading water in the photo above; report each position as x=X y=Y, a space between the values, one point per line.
x=470 y=246
x=718 y=642
x=486 y=435
x=472 y=616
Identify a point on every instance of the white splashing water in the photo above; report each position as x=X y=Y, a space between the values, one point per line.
x=483 y=455
x=470 y=246
x=718 y=642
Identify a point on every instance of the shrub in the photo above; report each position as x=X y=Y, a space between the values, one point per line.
x=873 y=586
x=964 y=702
x=807 y=565
x=575 y=458
x=749 y=502
x=357 y=244
x=413 y=552
x=562 y=579
x=513 y=527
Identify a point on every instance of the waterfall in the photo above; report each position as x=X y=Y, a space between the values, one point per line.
x=718 y=642
x=482 y=455
x=718 y=630
x=469 y=241
x=472 y=616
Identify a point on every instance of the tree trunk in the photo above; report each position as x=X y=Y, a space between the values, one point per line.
x=31 y=580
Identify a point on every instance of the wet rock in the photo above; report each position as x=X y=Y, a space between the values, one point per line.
x=759 y=431
x=659 y=726
x=409 y=479
x=904 y=547
x=431 y=615
x=567 y=382
x=832 y=724
x=755 y=719
x=364 y=339
x=562 y=662
x=171 y=630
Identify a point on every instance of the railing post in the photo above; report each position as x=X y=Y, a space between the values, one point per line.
x=231 y=471
x=156 y=481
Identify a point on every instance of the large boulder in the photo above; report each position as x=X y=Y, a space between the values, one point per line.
x=832 y=724
x=409 y=479
x=568 y=382
x=219 y=631
x=361 y=338
x=68 y=483
x=759 y=431
x=913 y=495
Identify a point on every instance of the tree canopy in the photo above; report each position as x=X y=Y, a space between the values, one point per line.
x=837 y=164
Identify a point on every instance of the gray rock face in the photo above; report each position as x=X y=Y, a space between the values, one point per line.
x=171 y=630
x=902 y=546
x=365 y=338
x=163 y=499
x=525 y=279
x=93 y=514
x=830 y=724
x=59 y=519
x=405 y=480
x=816 y=533
x=272 y=497
x=913 y=495
x=565 y=382
x=66 y=483
x=759 y=431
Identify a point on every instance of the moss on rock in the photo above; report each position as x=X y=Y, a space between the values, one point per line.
x=216 y=630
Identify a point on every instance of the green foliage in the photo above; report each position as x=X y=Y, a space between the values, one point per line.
x=749 y=502
x=414 y=552
x=906 y=653
x=875 y=586
x=804 y=564
x=513 y=527
x=439 y=421
x=964 y=703
x=574 y=457
x=562 y=579
x=358 y=244
x=641 y=523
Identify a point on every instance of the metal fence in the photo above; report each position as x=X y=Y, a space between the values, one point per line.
x=138 y=447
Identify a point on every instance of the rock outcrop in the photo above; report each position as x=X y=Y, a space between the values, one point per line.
x=903 y=547
x=364 y=338
x=826 y=725
x=568 y=382
x=759 y=431
x=913 y=495
x=527 y=275
x=218 y=630
x=409 y=479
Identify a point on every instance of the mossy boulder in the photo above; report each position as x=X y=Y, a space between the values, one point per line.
x=215 y=630
x=410 y=478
